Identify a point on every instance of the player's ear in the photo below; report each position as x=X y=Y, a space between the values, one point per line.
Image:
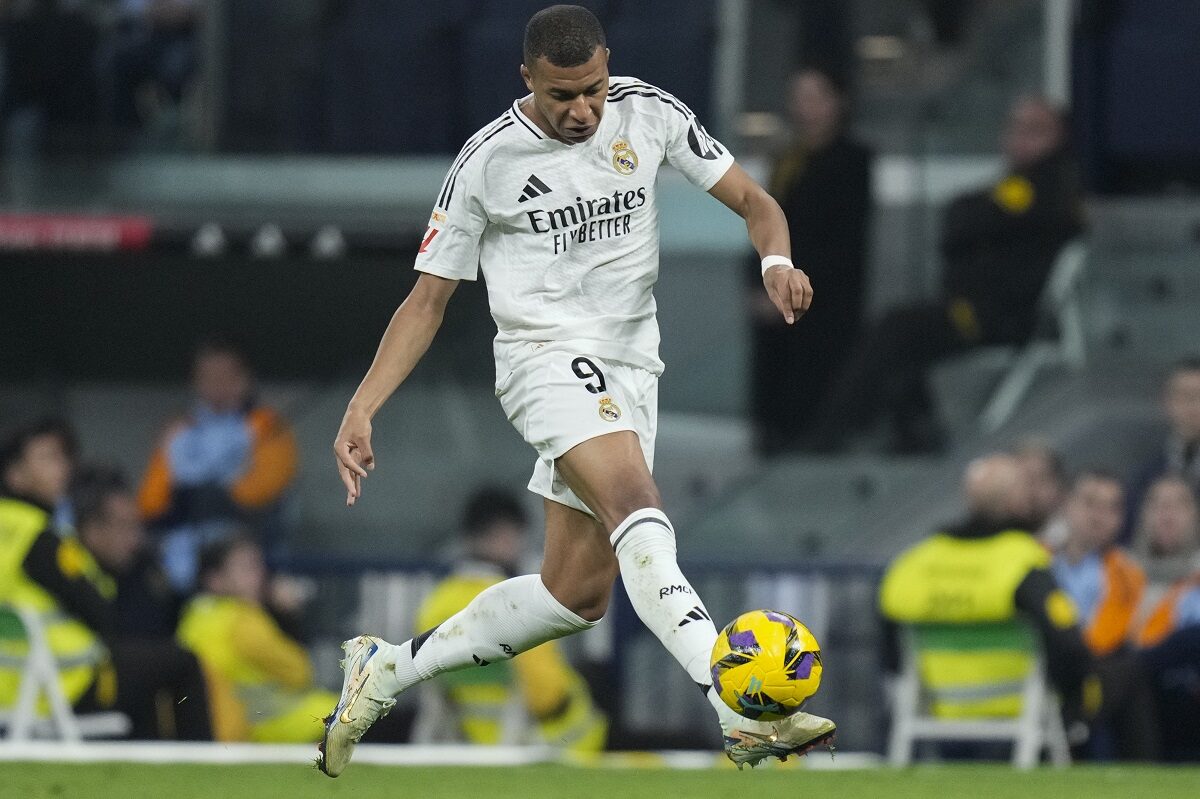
x=527 y=77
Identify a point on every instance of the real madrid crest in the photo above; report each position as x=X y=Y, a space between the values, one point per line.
x=609 y=411
x=625 y=160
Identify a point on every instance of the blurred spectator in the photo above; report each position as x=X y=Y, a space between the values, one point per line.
x=988 y=568
x=110 y=527
x=998 y=245
x=49 y=95
x=263 y=678
x=536 y=696
x=1104 y=582
x=59 y=579
x=228 y=464
x=150 y=58
x=1043 y=467
x=1172 y=658
x=1180 y=454
x=823 y=183
x=1171 y=653
x=1168 y=532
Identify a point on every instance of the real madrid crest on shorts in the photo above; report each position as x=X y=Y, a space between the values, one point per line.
x=625 y=160
x=609 y=411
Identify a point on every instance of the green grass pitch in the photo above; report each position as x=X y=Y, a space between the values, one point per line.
x=72 y=781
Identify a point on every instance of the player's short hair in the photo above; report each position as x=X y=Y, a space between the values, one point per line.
x=12 y=449
x=566 y=36
x=490 y=506
x=91 y=489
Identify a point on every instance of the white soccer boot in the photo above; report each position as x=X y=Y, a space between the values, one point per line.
x=750 y=742
x=362 y=703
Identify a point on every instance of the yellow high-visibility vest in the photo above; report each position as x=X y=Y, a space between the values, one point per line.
x=77 y=649
x=541 y=675
x=959 y=593
x=260 y=678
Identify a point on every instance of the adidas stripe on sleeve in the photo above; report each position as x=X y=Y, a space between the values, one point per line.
x=450 y=246
x=689 y=147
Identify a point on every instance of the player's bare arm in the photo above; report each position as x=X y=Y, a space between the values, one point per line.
x=789 y=288
x=405 y=341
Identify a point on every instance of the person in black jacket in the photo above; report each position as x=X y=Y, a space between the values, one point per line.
x=109 y=525
x=823 y=184
x=998 y=245
x=142 y=679
x=1180 y=453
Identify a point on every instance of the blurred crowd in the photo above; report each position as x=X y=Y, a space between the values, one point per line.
x=841 y=380
x=158 y=600
x=155 y=597
x=158 y=594
x=78 y=74
x=1106 y=567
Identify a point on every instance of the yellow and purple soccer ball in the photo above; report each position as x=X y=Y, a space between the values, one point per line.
x=766 y=664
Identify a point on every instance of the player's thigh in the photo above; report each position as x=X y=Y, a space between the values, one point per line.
x=579 y=565
x=610 y=474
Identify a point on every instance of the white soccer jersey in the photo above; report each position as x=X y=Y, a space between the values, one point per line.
x=567 y=235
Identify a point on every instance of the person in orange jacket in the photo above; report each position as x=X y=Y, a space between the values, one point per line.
x=225 y=466
x=1103 y=580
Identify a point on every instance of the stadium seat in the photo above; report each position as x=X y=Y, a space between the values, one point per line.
x=22 y=629
x=1037 y=726
x=1004 y=375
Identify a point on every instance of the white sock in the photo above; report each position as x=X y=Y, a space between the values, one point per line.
x=502 y=621
x=664 y=600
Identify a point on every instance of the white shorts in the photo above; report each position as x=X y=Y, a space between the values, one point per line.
x=558 y=398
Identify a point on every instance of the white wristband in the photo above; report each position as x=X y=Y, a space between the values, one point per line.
x=775 y=260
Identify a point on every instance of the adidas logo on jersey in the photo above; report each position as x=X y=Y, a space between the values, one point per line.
x=534 y=187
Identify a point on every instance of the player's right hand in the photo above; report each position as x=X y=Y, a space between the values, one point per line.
x=352 y=450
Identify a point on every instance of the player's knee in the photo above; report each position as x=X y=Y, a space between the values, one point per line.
x=587 y=598
x=593 y=606
x=628 y=502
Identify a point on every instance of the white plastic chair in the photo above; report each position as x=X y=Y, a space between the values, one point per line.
x=39 y=676
x=1038 y=727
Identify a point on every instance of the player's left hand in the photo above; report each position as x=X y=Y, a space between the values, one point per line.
x=789 y=290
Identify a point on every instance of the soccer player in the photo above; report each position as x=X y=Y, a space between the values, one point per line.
x=556 y=200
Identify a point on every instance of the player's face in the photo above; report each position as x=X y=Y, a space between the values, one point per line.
x=569 y=101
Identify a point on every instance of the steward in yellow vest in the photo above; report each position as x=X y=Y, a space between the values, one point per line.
x=539 y=684
x=59 y=579
x=987 y=570
x=262 y=678
x=534 y=697
x=978 y=573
